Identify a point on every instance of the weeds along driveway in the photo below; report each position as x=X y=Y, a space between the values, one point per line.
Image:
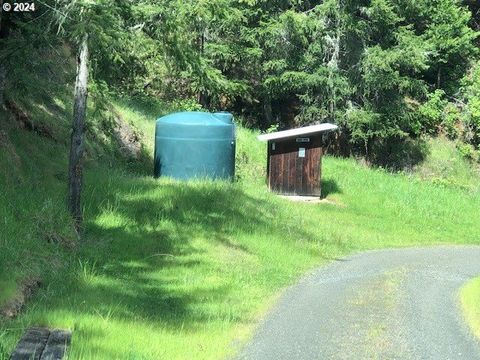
x=383 y=304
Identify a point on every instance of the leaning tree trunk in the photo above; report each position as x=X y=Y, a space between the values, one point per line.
x=77 y=145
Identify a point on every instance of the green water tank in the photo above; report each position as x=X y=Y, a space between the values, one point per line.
x=195 y=144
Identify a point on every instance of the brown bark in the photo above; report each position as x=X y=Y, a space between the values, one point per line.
x=77 y=145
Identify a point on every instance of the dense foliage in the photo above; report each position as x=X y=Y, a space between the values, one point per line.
x=387 y=71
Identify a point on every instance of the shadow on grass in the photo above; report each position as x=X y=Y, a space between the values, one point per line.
x=146 y=105
x=398 y=154
x=330 y=187
x=148 y=265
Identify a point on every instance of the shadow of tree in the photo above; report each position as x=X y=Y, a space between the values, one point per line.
x=398 y=154
x=143 y=251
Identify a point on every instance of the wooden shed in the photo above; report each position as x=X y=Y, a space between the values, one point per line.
x=294 y=159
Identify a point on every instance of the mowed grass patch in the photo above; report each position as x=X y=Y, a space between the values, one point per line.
x=470 y=302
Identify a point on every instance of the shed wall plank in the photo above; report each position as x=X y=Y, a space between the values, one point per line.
x=293 y=175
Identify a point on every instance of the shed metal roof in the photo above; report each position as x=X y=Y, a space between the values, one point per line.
x=307 y=130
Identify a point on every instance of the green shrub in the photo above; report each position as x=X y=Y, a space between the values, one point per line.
x=432 y=111
x=467 y=151
x=188 y=104
x=452 y=118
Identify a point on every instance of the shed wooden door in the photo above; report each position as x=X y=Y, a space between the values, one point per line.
x=294 y=166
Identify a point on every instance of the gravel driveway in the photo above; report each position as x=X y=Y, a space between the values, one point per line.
x=386 y=304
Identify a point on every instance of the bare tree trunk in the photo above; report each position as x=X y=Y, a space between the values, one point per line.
x=77 y=145
x=267 y=111
x=202 y=97
x=333 y=63
x=439 y=76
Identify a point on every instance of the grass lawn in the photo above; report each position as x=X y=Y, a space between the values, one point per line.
x=171 y=270
x=470 y=301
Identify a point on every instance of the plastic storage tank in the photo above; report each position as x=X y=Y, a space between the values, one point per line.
x=195 y=145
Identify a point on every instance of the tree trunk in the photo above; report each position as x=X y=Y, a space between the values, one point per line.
x=439 y=76
x=334 y=63
x=203 y=98
x=77 y=145
x=267 y=111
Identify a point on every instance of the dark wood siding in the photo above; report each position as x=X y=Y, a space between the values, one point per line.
x=291 y=174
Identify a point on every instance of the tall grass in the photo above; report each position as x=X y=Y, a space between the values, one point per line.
x=470 y=303
x=444 y=165
x=183 y=270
